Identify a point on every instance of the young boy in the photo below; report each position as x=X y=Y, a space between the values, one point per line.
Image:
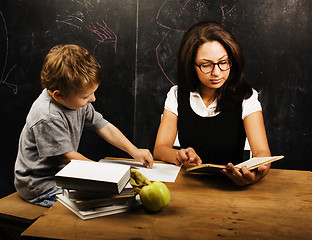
x=54 y=125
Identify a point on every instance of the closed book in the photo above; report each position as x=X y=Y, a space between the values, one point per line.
x=101 y=211
x=93 y=176
x=81 y=195
x=84 y=203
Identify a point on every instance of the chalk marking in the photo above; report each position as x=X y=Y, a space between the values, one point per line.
x=183 y=9
x=4 y=78
x=104 y=33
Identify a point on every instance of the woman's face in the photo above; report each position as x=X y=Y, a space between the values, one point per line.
x=208 y=55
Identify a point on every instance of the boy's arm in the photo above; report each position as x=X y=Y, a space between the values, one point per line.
x=115 y=137
x=67 y=157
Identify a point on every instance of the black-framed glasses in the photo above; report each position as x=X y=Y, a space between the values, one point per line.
x=209 y=66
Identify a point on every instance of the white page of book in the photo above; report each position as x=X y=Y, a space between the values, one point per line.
x=254 y=161
x=93 y=171
x=159 y=172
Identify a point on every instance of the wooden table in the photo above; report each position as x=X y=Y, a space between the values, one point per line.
x=16 y=215
x=13 y=207
x=201 y=207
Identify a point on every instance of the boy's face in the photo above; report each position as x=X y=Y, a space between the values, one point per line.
x=75 y=101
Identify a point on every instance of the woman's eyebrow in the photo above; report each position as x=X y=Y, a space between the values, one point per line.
x=223 y=56
x=204 y=59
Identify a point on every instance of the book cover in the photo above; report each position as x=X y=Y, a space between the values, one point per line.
x=93 y=176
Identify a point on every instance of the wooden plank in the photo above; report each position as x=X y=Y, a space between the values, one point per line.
x=202 y=207
x=13 y=207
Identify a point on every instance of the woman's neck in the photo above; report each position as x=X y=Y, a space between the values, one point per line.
x=208 y=95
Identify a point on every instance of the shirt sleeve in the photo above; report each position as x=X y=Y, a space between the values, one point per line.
x=52 y=138
x=171 y=103
x=251 y=105
x=94 y=120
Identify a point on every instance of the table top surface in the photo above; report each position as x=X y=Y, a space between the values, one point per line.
x=201 y=207
x=12 y=206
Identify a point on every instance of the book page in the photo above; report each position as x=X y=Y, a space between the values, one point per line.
x=159 y=172
x=94 y=171
x=258 y=161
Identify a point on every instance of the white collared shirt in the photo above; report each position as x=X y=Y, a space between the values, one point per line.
x=249 y=105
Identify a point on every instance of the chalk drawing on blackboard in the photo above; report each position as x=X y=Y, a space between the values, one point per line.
x=70 y=20
x=104 y=33
x=4 y=77
x=169 y=29
x=226 y=12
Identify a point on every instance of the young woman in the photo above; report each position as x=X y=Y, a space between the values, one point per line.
x=213 y=108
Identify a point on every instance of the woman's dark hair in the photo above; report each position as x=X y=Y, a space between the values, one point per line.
x=236 y=88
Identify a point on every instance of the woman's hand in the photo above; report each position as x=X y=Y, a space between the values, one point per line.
x=187 y=155
x=144 y=156
x=245 y=177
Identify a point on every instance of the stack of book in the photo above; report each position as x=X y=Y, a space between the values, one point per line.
x=95 y=189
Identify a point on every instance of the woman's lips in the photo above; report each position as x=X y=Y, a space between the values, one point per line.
x=216 y=81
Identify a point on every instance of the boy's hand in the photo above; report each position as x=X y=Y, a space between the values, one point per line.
x=144 y=156
x=113 y=135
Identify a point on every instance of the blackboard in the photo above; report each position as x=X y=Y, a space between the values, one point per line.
x=136 y=42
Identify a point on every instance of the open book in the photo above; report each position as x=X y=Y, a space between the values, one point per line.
x=250 y=164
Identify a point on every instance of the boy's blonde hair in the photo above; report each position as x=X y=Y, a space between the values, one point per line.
x=69 y=68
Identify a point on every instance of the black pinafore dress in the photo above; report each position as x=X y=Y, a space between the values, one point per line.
x=219 y=139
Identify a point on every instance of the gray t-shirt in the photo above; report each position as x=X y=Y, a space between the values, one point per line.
x=50 y=130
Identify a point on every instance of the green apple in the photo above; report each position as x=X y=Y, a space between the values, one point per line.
x=155 y=196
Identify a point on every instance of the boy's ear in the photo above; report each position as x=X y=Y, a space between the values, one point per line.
x=57 y=95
